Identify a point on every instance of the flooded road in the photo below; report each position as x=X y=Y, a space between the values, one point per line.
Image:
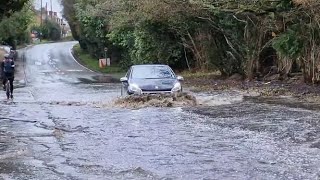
x=62 y=125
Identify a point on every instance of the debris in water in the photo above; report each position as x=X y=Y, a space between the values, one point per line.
x=156 y=100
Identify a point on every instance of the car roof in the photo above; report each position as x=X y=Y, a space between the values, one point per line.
x=141 y=65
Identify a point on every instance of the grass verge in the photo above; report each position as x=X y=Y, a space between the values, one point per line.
x=88 y=61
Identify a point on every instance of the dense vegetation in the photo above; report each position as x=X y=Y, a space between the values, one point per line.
x=8 y=7
x=251 y=38
x=15 y=19
x=49 y=29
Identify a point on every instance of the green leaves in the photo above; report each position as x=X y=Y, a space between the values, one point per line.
x=50 y=30
x=147 y=43
x=225 y=35
x=8 y=7
x=14 y=29
x=288 y=44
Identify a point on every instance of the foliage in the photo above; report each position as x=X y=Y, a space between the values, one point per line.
x=288 y=44
x=92 y=28
x=70 y=15
x=9 y=7
x=148 y=43
x=15 y=29
x=232 y=36
x=50 y=30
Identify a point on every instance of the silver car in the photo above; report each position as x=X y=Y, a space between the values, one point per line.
x=151 y=79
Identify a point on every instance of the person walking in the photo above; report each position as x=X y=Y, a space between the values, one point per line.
x=7 y=71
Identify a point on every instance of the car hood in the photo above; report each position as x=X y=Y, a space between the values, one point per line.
x=154 y=84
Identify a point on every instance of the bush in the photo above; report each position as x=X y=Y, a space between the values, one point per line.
x=50 y=30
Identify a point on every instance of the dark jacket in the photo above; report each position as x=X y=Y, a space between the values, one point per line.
x=2 y=69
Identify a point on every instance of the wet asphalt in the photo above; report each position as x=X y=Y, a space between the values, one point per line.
x=62 y=125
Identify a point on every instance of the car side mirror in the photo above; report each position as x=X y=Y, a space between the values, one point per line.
x=124 y=79
x=180 y=78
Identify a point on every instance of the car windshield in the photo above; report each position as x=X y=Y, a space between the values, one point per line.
x=151 y=72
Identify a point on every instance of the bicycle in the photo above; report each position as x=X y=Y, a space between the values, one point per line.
x=8 y=87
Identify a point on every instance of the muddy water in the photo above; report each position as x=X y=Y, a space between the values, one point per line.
x=58 y=127
x=238 y=140
x=156 y=100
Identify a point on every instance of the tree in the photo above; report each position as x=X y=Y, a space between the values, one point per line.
x=15 y=29
x=232 y=36
x=8 y=7
x=69 y=13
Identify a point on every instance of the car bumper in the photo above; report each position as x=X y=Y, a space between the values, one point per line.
x=156 y=92
x=152 y=92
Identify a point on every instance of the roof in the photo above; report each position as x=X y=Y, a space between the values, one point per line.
x=139 y=65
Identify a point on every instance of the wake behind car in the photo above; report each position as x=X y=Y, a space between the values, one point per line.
x=151 y=79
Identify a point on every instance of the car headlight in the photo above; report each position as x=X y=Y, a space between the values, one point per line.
x=135 y=89
x=176 y=87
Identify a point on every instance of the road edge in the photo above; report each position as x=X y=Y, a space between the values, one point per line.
x=76 y=59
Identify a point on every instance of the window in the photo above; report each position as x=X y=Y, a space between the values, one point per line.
x=152 y=72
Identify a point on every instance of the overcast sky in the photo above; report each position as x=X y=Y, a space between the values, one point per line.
x=56 y=7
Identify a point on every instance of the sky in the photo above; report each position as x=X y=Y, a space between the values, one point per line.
x=56 y=7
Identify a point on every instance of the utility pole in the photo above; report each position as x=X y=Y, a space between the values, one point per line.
x=51 y=8
x=41 y=14
x=40 y=33
x=46 y=10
